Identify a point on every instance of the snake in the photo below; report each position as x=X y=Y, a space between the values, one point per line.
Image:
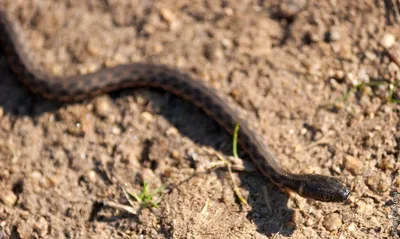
x=79 y=87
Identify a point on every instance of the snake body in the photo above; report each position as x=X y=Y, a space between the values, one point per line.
x=75 y=88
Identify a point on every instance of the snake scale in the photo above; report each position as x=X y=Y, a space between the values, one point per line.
x=76 y=88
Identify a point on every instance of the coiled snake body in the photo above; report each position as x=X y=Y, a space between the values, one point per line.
x=76 y=88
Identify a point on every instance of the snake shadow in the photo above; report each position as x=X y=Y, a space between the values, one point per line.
x=268 y=204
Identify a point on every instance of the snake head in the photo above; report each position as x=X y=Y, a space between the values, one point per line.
x=323 y=188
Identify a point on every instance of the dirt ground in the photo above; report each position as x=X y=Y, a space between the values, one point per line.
x=293 y=70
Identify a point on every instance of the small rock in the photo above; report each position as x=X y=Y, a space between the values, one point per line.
x=366 y=209
x=170 y=18
x=175 y=154
x=52 y=181
x=332 y=222
x=41 y=227
x=157 y=48
x=229 y=11
x=116 y=130
x=172 y=131
x=309 y=222
x=342 y=236
x=167 y=15
x=235 y=93
x=333 y=34
x=57 y=70
x=146 y=116
x=37 y=176
x=75 y=129
x=103 y=105
x=8 y=197
x=339 y=75
x=370 y=55
x=91 y=175
x=351 y=227
x=393 y=68
x=24 y=230
x=41 y=180
x=226 y=43
x=394 y=53
x=387 y=40
x=93 y=49
x=379 y=183
x=345 y=51
x=290 y=8
x=353 y=165
x=212 y=52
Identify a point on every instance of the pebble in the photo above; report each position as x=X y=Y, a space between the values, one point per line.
x=93 y=49
x=379 y=183
x=75 y=129
x=167 y=15
x=290 y=8
x=147 y=116
x=364 y=208
x=394 y=53
x=393 y=68
x=309 y=222
x=212 y=52
x=345 y=52
x=235 y=93
x=91 y=175
x=370 y=55
x=57 y=70
x=24 y=230
x=332 y=222
x=170 y=18
x=8 y=197
x=387 y=40
x=52 y=181
x=172 y=131
x=351 y=227
x=116 y=130
x=103 y=105
x=353 y=165
x=157 y=48
x=338 y=75
x=41 y=227
x=334 y=34
x=175 y=154
x=226 y=43
x=36 y=175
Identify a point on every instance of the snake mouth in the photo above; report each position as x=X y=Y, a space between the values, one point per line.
x=345 y=194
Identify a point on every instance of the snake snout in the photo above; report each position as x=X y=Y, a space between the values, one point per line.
x=345 y=193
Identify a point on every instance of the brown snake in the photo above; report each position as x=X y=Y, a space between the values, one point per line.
x=75 y=88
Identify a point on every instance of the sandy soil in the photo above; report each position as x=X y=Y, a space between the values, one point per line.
x=292 y=70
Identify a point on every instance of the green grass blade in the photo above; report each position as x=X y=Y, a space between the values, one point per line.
x=235 y=136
